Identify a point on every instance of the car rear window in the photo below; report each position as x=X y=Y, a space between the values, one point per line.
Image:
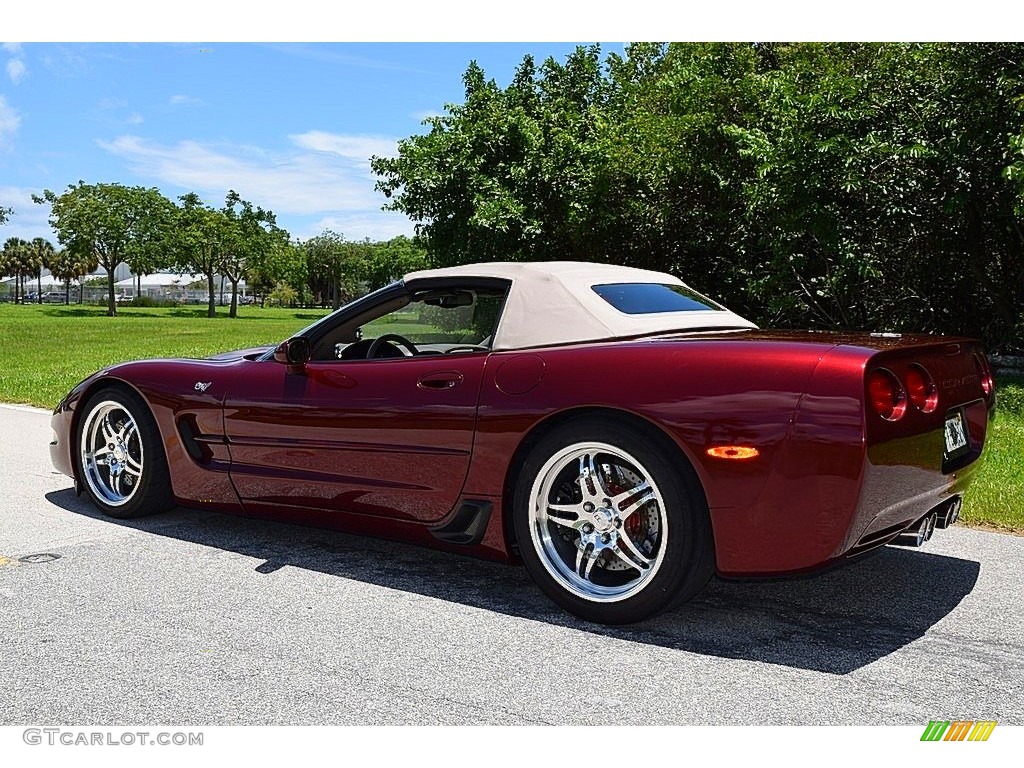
x=647 y=298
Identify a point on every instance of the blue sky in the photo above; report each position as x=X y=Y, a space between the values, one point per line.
x=288 y=126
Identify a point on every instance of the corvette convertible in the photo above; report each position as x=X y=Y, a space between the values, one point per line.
x=621 y=435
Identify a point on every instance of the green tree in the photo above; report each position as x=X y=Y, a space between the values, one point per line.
x=284 y=263
x=13 y=262
x=41 y=251
x=832 y=185
x=112 y=220
x=385 y=262
x=250 y=236
x=72 y=263
x=200 y=232
x=335 y=266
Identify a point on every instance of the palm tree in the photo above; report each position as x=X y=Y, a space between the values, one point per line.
x=14 y=264
x=85 y=261
x=42 y=251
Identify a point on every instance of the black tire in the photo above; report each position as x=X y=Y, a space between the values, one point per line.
x=147 y=490
x=677 y=570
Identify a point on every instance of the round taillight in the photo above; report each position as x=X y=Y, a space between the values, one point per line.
x=921 y=389
x=887 y=395
x=984 y=374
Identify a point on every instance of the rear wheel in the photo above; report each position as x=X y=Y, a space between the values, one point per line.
x=121 y=461
x=609 y=525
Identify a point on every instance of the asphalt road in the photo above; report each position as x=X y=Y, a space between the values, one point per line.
x=199 y=618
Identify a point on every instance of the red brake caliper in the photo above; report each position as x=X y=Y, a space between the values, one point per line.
x=634 y=523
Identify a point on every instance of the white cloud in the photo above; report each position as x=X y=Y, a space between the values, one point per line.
x=16 y=70
x=9 y=122
x=12 y=47
x=357 y=147
x=109 y=102
x=135 y=119
x=179 y=99
x=376 y=225
x=302 y=183
x=29 y=219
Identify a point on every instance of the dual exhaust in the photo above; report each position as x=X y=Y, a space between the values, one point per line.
x=943 y=516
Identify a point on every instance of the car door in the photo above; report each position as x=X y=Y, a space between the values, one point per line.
x=389 y=437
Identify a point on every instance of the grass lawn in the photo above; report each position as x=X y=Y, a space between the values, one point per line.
x=997 y=496
x=49 y=348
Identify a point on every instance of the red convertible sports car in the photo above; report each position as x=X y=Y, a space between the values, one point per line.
x=622 y=435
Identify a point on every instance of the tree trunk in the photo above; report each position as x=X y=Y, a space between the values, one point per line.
x=211 y=309
x=337 y=295
x=222 y=291
x=39 y=286
x=234 y=299
x=81 y=288
x=111 y=301
x=67 y=292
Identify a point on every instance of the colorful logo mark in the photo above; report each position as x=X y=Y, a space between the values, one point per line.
x=958 y=730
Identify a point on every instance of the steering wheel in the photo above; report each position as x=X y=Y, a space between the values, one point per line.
x=394 y=338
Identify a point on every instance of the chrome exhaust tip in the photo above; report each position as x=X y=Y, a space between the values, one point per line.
x=917 y=534
x=929 y=526
x=950 y=514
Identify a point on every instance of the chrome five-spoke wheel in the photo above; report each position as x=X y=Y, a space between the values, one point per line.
x=112 y=453
x=598 y=521
x=121 y=462
x=610 y=519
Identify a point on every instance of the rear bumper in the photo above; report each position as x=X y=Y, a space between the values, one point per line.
x=907 y=477
x=822 y=507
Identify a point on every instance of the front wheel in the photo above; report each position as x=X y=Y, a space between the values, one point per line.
x=609 y=524
x=121 y=460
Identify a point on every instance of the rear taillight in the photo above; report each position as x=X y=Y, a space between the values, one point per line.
x=984 y=374
x=921 y=389
x=887 y=395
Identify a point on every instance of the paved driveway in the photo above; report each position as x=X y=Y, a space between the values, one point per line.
x=200 y=618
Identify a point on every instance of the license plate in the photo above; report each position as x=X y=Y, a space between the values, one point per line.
x=956 y=433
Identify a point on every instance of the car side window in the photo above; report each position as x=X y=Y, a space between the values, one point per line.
x=433 y=322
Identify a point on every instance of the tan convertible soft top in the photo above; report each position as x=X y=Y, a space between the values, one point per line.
x=553 y=302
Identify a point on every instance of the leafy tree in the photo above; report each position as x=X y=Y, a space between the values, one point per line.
x=829 y=185
x=283 y=295
x=334 y=266
x=285 y=262
x=385 y=262
x=198 y=243
x=112 y=220
x=251 y=234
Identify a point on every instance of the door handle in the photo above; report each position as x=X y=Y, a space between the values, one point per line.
x=440 y=380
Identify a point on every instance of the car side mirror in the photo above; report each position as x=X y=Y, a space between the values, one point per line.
x=293 y=351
